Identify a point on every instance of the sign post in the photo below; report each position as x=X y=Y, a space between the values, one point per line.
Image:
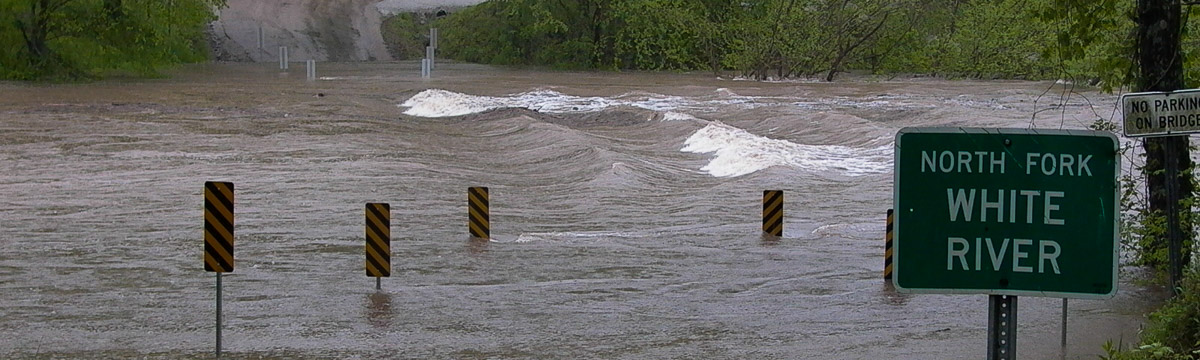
x=1006 y=213
x=1166 y=113
x=1002 y=327
x=218 y=237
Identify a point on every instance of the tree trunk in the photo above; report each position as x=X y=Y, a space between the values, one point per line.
x=35 y=27
x=1162 y=70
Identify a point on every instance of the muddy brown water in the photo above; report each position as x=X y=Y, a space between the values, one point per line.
x=625 y=209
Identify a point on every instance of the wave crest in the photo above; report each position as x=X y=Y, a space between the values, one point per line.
x=738 y=152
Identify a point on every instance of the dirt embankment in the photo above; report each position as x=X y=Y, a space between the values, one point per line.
x=322 y=30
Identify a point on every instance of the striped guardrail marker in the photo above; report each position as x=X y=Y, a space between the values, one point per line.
x=887 y=248
x=773 y=212
x=379 y=242
x=218 y=226
x=477 y=213
x=218 y=237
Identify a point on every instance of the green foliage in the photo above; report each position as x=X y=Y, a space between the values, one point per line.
x=1177 y=324
x=1093 y=40
x=1155 y=351
x=79 y=39
x=1142 y=231
x=1191 y=46
x=656 y=35
x=1172 y=332
x=1035 y=39
x=997 y=39
x=406 y=35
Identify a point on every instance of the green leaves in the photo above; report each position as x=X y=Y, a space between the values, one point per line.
x=1093 y=39
x=80 y=39
x=1083 y=40
x=655 y=35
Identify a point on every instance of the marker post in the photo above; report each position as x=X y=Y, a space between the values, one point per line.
x=218 y=237
x=218 y=315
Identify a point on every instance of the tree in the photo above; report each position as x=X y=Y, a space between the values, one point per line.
x=37 y=26
x=853 y=23
x=1093 y=39
x=74 y=39
x=1160 y=28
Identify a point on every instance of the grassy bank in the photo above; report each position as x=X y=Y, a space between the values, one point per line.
x=1172 y=332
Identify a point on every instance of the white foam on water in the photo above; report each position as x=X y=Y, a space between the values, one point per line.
x=435 y=103
x=441 y=103
x=775 y=80
x=677 y=116
x=738 y=152
x=725 y=92
x=571 y=236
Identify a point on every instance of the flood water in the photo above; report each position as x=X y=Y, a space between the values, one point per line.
x=626 y=216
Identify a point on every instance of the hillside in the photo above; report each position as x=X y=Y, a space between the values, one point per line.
x=322 y=30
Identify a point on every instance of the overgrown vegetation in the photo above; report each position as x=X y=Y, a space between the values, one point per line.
x=81 y=39
x=1172 y=332
x=405 y=35
x=1028 y=39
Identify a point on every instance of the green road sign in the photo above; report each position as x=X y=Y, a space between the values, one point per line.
x=1006 y=212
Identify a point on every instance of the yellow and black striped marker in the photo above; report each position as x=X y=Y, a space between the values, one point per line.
x=887 y=248
x=218 y=226
x=379 y=240
x=773 y=212
x=477 y=213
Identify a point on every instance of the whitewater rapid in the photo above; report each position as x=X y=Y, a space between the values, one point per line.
x=735 y=151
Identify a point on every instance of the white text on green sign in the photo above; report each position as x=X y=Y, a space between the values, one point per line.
x=1002 y=211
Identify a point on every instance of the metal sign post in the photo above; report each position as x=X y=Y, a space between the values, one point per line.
x=1174 y=237
x=1002 y=327
x=283 y=58
x=218 y=315
x=1166 y=113
x=1062 y=354
x=429 y=53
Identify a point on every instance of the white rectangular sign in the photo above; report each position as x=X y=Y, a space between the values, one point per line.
x=1161 y=113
